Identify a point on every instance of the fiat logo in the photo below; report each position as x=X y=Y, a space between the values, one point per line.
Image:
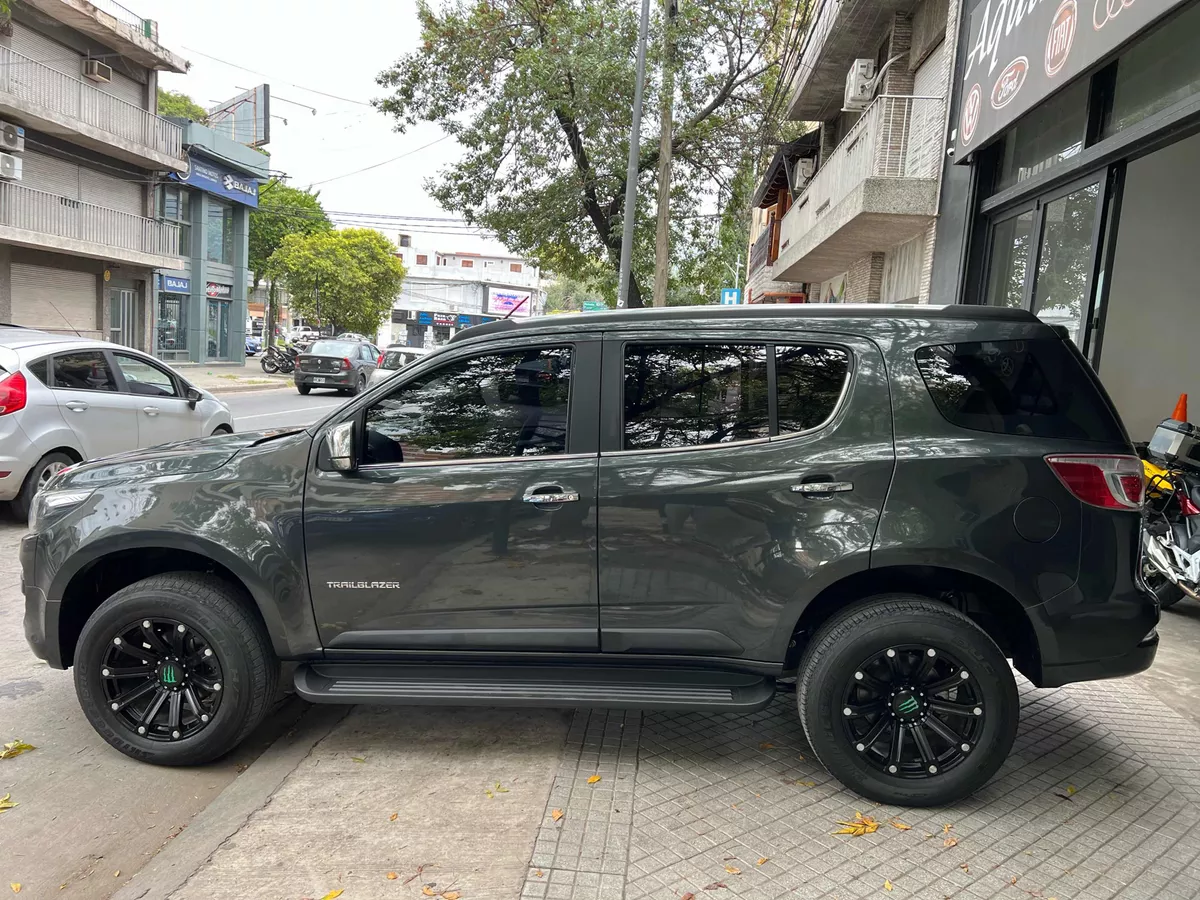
x=1061 y=36
x=1009 y=82
x=970 y=113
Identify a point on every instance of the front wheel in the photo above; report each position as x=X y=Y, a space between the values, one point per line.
x=175 y=669
x=269 y=365
x=907 y=701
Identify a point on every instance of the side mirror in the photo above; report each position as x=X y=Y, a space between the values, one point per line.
x=193 y=396
x=339 y=442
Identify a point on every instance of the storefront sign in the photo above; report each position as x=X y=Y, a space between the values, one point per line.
x=221 y=291
x=444 y=319
x=215 y=178
x=172 y=285
x=507 y=302
x=1022 y=51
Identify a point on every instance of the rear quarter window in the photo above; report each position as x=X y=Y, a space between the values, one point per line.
x=1035 y=388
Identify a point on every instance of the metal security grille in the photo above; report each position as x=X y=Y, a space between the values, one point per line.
x=58 y=300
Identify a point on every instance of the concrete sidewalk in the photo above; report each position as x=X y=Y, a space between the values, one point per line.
x=224 y=378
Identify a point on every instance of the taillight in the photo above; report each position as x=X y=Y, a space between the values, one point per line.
x=379 y=362
x=1110 y=482
x=345 y=363
x=12 y=393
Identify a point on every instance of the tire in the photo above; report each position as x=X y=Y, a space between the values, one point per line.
x=213 y=612
x=855 y=643
x=222 y=429
x=269 y=365
x=359 y=386
x=46 y=467
x=303 y=389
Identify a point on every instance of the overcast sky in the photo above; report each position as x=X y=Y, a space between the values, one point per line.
x=301 y=47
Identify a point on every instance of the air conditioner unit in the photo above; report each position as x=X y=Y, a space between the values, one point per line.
x=10 y=167
x=805 y=169
x=859 y=85
x=12 y=137
x=94 y=70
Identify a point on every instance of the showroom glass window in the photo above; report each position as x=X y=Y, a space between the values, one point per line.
x=171 y=337
x=219 y=228
x=1158 y=71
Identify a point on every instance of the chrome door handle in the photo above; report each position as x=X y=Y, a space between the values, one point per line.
x=823 y=487
x=548 y=494
x=77 y=406
x=150 y=410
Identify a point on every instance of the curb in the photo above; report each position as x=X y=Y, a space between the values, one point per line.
x=220 y=389
x=232 y=808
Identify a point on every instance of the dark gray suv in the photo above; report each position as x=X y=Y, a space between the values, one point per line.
x=667 y=509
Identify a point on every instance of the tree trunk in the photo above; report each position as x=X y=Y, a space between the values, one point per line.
x=662 y=238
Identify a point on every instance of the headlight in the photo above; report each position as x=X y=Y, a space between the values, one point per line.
x=48 y=505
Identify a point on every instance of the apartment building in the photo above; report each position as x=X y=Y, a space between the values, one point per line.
x=445 y=292
x=82 y=150
x=846 y=213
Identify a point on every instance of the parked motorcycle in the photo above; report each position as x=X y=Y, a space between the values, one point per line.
x=1171 y=516
x=276 y=360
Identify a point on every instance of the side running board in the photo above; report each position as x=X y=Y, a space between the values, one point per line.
x=600 y=687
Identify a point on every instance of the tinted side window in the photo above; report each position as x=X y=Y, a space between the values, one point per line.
x=808 y=381
x=1036 y=388
x=488 y=407
x=83 y=370
x=41 y=370
x=689 y=395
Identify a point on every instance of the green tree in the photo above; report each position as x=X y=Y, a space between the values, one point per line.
x=539 y=95
x=567 y=293
x=346 y=278
x=180 y=105
x=282 y=210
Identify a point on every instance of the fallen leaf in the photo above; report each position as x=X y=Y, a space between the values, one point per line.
x=500 y=790
x=428 y=891
x=766 y=745
x=858 y=826
x=451 y=895
x=556 y=814
x=887 y=885
x=5 y=803
x=592 y=779
x=15 y=748
x=539 y=874
x=950 y=842
x=391 y=876
x=117 y=874
x=16 y=886
x=805 y=783
x=966 y=868
x=393 y=817
x=489 y=794
x=1013 y=880
x=761 y=860
x=359 y=759
x=333 y=895
x=688 y=896
x=900 y=826
x=715 y=885
x=946 y=829
x=1071 y=789
x=732 y=870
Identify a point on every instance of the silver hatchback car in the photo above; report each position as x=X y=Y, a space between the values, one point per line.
x=65 y=399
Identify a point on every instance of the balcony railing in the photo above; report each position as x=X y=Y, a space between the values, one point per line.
x=74 y=98
x=760 y=252
x=134 y=23
x=49 y=214
x=896 y=137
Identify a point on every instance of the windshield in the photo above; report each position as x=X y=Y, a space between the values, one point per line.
x=394 y=359
x=333 y=348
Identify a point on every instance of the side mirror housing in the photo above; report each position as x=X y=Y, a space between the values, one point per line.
x=193 y=396
x=339 y=443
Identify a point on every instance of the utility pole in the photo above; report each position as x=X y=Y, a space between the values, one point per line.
x=631 y=171
x=662 y=237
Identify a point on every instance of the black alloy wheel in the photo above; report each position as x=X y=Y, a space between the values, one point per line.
x=913 y=711
x=162 y=679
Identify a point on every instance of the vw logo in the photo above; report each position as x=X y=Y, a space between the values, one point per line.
x=1106 y=10
x=970 y=114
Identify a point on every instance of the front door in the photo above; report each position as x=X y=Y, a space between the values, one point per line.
x=470 y=523
x=164 y=414
x=218 y=330
x=748 y=476
x=122 y=317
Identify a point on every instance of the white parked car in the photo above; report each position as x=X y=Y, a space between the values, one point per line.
x=65 y=399
x=394 y=358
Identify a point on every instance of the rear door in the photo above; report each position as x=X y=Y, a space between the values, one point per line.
x=104 y=420
x=738 y=478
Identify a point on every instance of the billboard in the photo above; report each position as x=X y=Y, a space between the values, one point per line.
x=246 y=118
x=509 y=302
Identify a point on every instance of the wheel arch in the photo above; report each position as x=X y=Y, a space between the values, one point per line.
x=96 y=572
x=990 y=606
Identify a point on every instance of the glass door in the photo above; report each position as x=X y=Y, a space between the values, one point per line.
x=122 y=317
x=218 y=329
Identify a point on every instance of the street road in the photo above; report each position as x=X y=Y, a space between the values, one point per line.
x=279 y=408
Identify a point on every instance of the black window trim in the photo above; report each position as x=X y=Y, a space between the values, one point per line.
x=546 y=342
x=772 y=397
x=123 y=382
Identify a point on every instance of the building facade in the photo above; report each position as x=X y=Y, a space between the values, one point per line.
x=847 y=212
x=1072 y=190
x=201 y=307
x=82 y=149
x=445 y=292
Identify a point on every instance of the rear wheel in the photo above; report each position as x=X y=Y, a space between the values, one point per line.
x=907 y=701
x=358 y=386
x=269 y=364
x=45 y=469
x=303 y=389
x=174 y=670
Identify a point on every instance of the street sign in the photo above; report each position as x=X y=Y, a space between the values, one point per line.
x=594 y=306
x=730 y=296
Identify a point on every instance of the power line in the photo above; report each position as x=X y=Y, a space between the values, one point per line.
x=226 y=62
x=377 y=165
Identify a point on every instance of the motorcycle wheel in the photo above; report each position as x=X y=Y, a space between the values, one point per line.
x=269 y=365
x=1167 y=592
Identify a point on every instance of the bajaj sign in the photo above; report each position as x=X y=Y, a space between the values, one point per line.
x=1022 y=51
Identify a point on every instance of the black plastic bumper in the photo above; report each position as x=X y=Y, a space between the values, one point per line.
x=1136 y=660
x=330 y=380
x=41 y=616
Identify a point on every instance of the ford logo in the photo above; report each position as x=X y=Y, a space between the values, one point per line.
x=1009 y=82
x=1061 y=36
